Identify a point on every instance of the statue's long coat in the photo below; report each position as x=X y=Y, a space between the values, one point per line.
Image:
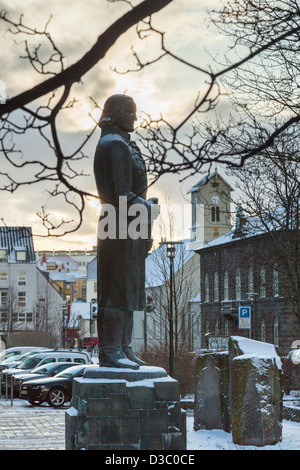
x=120 y=170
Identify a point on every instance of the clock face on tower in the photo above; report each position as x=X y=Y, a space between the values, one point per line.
x=215 y=199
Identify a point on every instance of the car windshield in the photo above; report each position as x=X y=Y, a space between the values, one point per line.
x=24 y=356
x=71 y=372
x=44 y=368
x=11 y=359
x=6 y=355
x=29 y=363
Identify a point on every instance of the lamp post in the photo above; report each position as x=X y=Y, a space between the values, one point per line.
x=252 y=297
x=171 y=255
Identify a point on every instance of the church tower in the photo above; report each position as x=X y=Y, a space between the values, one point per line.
x=211 y=214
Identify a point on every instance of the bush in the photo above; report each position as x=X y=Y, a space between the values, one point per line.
x=184 y=366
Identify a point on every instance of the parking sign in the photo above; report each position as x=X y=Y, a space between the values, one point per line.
x=245 y=318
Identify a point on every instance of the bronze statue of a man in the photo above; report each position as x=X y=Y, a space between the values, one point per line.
x=120 y=175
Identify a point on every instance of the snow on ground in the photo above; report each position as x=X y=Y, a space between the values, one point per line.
x=221 y=440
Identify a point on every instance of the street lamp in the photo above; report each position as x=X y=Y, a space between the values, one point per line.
x=252 y=297
x=171 y=255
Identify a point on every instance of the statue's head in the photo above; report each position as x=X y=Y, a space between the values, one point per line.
x=120 y=111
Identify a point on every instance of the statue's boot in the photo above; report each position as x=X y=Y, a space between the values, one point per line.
x=127 y=336
x=110 y=331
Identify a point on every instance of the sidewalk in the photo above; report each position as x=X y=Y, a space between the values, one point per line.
x=26 y=427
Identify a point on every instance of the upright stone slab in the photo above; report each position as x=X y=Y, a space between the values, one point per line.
x=122 y=409
x=211 y=397
x=256 y=397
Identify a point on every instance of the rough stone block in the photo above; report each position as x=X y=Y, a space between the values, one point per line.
x=140 y=397
x=117 y=404
x=131 y=429
x=154 y=421
x=98 y=407
x=89 y=389
x=151 y=441
x=70 y=425
x=83 y=430
x=167 y=391
x=174 y=417
x=110 y=431
x=256 y=401
x=173 y=441
x=212 y=392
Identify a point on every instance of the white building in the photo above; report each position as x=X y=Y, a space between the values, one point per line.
x=18 y=284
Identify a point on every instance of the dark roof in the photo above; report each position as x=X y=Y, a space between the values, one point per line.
x=14 y=239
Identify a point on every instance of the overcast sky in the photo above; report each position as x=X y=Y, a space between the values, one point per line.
x=167 y=88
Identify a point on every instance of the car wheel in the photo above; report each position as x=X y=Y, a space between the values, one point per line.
x=56 y=397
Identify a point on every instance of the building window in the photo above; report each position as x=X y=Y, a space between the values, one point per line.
x=3 y=276
x=216 y=287
x=3 y=255
x=3 y=299
x=263 y=331
x=206 y=287
x=21 y=255
x=250 y=280
x=276 y=333
x=95 y=287
x=238 y=284
x=22 y=317
x=215 y=214
x=22 y=278
x=275 y=281
x=226 y=286
x=262 y=283
x=22 y=299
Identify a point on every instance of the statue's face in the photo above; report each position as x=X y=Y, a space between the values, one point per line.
x=127 y=115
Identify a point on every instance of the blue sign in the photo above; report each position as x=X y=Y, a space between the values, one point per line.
x=245 y=318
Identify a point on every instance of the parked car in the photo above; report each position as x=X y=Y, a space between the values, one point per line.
x=54 y=390
x=47 y=370
x=14 y=361
x=16 y=351
x=39 y=359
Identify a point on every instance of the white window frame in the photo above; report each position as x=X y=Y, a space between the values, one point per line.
x=3 y=275
x=22 y=278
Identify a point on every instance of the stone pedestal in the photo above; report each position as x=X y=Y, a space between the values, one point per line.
x=122 y=409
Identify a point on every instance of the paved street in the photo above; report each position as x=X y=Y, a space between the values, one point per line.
x=25 y=427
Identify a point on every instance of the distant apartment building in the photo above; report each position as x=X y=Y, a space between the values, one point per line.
x=63 y=272
x=18 y=283
x=28 y=301
x=81 y=257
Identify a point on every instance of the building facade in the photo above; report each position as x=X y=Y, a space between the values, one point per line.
x=18 y=282
x=243 y=270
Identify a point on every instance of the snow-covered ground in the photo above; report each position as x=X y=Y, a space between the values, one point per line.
x=221 y=440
